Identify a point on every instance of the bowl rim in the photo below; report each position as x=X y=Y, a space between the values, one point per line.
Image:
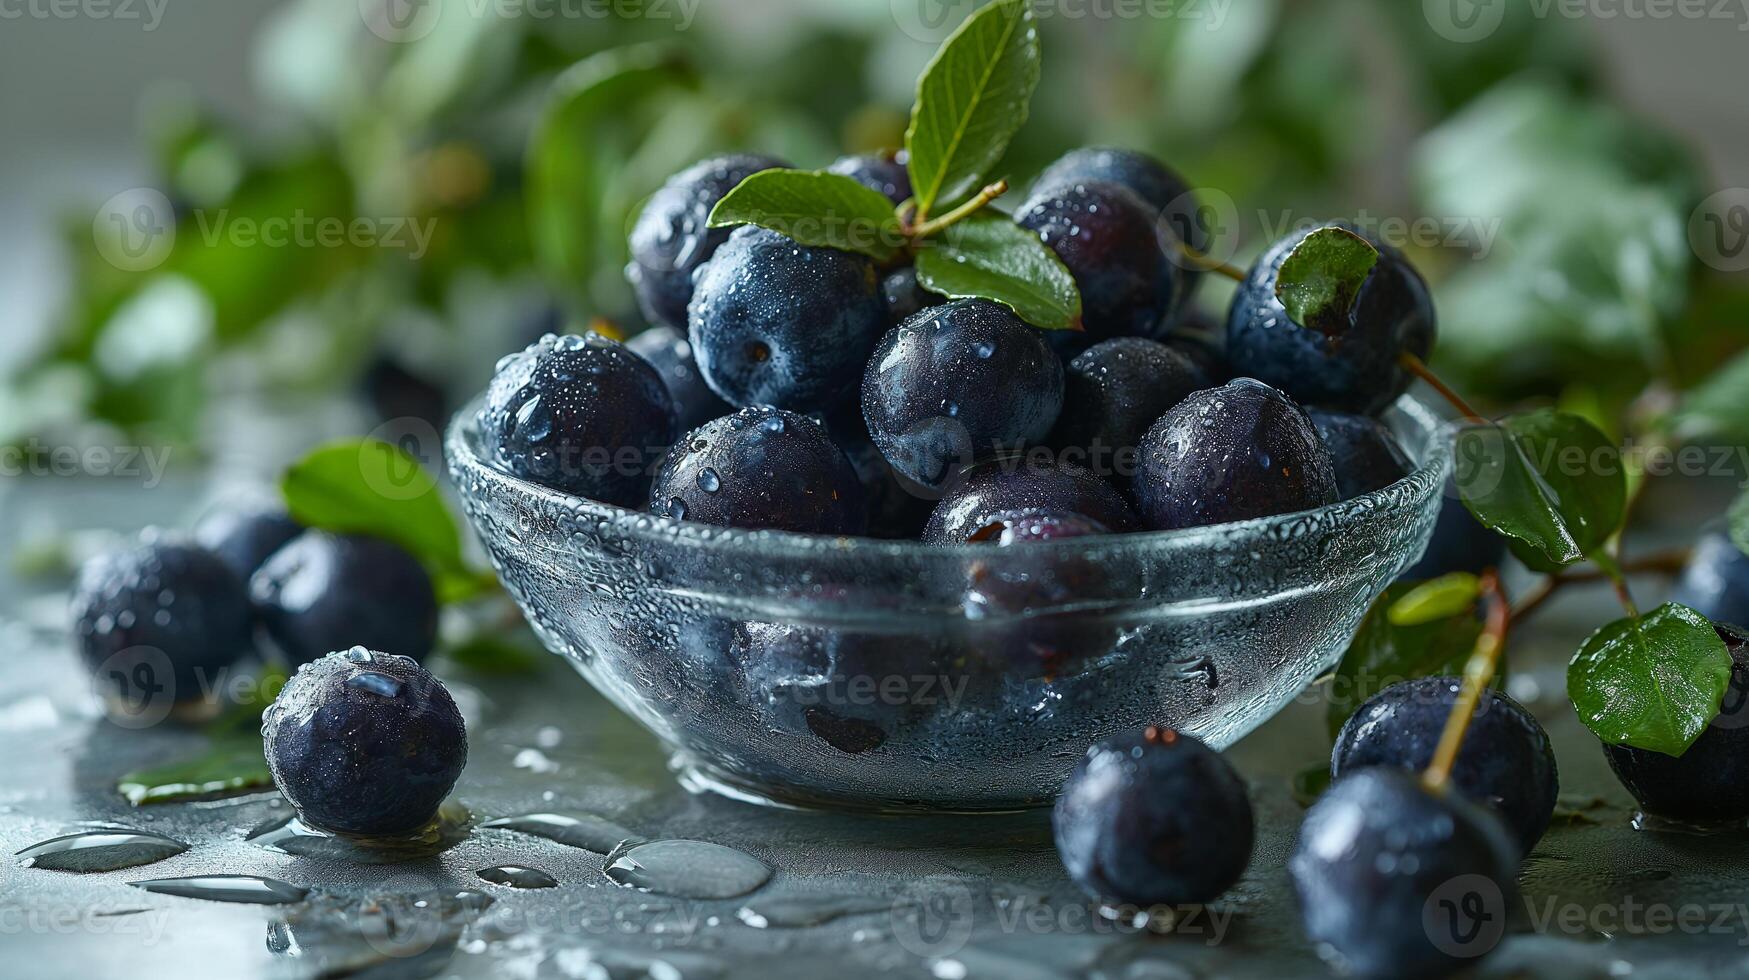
x=464 y=461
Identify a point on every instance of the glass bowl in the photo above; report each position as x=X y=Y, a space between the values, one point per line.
x=892 y=675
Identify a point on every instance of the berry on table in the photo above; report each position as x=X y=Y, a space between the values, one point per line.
x=670 y=353
x=582 y=415
x=1366 y=455
x=155 y=620
x=876 y=171
x=1107 y=238
x=1715 y=583
x=1113 y=392
x=1154 y=818
x=673 y=237
x=244 y=537
x=325 y=592
x=1233 y=453
x=365 y=743
x=987 y=490
x=761 y=467
x=1506 y=762
x=773 y=322
x=1395 y=880
x=1709 y=783
x=1356 y=371
x=953 y=384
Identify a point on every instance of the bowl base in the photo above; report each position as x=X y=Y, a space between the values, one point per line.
x=699 y=777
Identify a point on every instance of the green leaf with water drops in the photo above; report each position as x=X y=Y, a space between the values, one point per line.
x=367 y=486
x=971 y=100
x=1321 y=278
x=1653 y=682
x=232 y=765
x=815 y=208
x=1437 y=599
x=1385 y=653
x=1548 y=481
x=988 y=256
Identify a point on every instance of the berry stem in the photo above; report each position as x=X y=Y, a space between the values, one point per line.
x=935 y=225
x=1478 y=671
x=1662 y=563
x=1607 y=564
x=1208 y=263
x=1416 y=366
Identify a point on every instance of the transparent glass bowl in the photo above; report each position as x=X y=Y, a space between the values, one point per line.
x=874 y=675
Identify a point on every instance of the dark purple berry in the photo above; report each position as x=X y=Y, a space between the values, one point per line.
x=761 y=468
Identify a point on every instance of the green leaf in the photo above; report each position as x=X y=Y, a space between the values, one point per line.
x=1384 y=653
x=234 y=764
x=1717 y=408
x=1321 y=278
x=814 y=208
x=1441 y=598
x=567 y=167
x=1739 y=518
x=368 y=486
x=1548 y=481
x=1654 y=682
x=987 y=256
x=971 y=100
x=1310 y=783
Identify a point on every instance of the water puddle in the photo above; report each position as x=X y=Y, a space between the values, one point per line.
x=100 y=850
x=582 y=830
x=246 y=889
x=687 y=869
x=806 y=912
x=291 y=835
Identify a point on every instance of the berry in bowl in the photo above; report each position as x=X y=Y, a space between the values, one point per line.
x=919 y=561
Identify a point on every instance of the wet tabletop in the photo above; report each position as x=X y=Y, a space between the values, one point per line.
x=763 y=892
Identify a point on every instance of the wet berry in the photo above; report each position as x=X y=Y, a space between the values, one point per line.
x=1108 y=240
x=905 y=296
x=326 y=592
x=1356 y=371
x=761 y=468
x=157 y=620
x=673 y=237
x=1233 y=453
x=980 y=494
x=365 y=743
x=1155 y=818
x=955 y=383
x=773 y=322
x=1113 y=392
x=670 y=353
x=1709 y=783
x=1715 y=582
x=1365 y=454
x=1397 y=881
x=1506 y=762
x=878 y=172
x=1164 y=191
x=582 y=415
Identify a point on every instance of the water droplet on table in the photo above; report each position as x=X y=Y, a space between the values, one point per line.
x=517 y=876
x=584 y=830
x=688 y=869
x=100 y=850
x=246 y=889
x=807 y=911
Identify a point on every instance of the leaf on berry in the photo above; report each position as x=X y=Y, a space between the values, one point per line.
x=569 y=156
x=367 y=486
x=971 y=100
x=1384 y=653
x=988 y=256
x=1652 y=682
x=815 y=208
x=1321 y=278
x=1739 y=519
x=1436 y=599
x=1548 y=481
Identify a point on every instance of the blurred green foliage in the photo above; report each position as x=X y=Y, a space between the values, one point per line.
x=1568 y=276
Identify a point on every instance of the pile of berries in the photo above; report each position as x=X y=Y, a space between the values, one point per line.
x=810 y=389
